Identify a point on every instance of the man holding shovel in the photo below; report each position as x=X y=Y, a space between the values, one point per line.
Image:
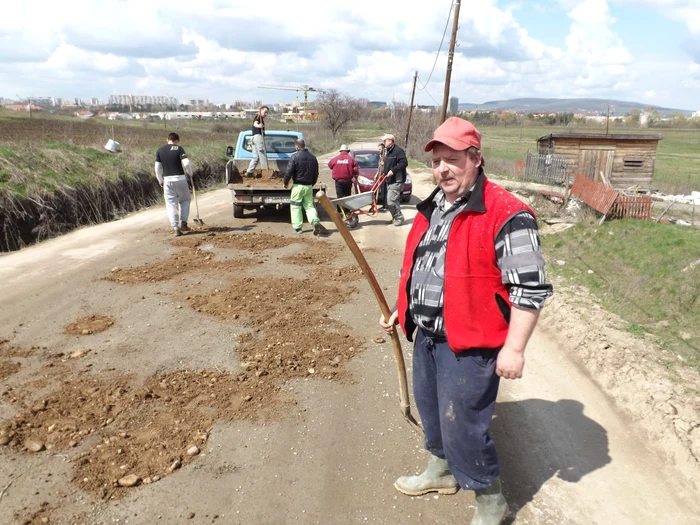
x=171 y=165
x=472 y=285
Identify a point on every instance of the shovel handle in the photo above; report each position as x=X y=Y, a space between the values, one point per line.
x=379 y=295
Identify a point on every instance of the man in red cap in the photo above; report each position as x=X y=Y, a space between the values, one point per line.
x=471 y=288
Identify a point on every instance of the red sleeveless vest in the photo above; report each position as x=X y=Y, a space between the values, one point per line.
x=472 y=277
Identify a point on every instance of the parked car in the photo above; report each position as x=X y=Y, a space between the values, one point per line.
x=368 y=161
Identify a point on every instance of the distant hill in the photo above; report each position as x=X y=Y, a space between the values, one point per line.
x=566 y=105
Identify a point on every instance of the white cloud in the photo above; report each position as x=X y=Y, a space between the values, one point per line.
x=224 y=49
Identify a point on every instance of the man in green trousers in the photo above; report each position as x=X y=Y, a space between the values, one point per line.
x=303 y=172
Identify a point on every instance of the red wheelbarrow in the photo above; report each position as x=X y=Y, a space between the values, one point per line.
x=361 y=203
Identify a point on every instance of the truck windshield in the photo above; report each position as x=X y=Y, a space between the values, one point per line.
x=273 y=143
x=367 y=160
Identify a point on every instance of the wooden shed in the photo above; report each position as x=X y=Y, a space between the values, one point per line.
x=626 y=160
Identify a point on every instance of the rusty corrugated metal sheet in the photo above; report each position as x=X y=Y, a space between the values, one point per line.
x=596 y=194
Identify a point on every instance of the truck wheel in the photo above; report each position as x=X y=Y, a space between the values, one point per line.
x=352 y=221
x=238 y=211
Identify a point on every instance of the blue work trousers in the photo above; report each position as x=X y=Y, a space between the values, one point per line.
x=456 y=394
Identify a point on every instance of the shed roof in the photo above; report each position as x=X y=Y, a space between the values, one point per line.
x=599 y=136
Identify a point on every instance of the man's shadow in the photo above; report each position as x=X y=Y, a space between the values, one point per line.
x=537 y=440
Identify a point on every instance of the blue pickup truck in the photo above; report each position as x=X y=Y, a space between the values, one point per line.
x=260 y=191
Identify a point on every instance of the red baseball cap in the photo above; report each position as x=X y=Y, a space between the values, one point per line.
x=456 y=133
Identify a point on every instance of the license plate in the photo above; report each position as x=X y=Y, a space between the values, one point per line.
x=277 y=200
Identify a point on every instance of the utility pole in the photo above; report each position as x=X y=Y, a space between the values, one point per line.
x=450 y=57
x=410 y=108
x=607 y=122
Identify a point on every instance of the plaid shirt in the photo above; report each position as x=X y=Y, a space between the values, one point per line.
x=518 y=256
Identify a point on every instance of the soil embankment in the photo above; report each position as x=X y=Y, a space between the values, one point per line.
x=25 y=220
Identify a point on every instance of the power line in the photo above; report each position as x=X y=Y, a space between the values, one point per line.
x=428 y=92
x=444 y=33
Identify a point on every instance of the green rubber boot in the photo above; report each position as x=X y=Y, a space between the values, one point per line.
x=491 y=506
x=436 y=478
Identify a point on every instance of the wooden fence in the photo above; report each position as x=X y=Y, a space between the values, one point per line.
x=632 y=207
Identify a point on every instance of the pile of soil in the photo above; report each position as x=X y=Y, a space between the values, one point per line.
x=7 y=368
x=184 y=262
x=9 y=350
x=292 y=333
x=139 y=432
x=319 y=254
x=252 y=242
x=88 y=325
x=168 y=421
x=147 y=431
x=276 y=179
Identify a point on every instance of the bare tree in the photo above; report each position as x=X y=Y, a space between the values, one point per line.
x=338 y=109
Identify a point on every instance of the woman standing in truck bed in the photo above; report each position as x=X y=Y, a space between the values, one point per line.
x=257 y=141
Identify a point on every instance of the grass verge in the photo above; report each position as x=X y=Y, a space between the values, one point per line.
x=647 y=273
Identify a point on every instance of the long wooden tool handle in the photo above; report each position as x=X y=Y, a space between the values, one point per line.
x=379 y=295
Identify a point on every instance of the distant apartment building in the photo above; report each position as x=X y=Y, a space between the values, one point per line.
x=454 y=105
x=44 y=102
x=141 y=100
x=696 y=114
x=195 y=102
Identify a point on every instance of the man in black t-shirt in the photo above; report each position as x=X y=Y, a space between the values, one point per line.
x=171 y=165
x=257 y=141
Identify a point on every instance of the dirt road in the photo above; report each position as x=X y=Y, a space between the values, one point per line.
x=306 y=432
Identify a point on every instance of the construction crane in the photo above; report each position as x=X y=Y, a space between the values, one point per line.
x=304 y=88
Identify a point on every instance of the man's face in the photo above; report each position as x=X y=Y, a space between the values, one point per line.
x=454 y=171
x=388 y=143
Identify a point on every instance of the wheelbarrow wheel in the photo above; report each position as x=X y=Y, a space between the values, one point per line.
x=352 y=221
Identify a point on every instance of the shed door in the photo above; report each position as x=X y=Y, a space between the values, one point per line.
x=593 y=161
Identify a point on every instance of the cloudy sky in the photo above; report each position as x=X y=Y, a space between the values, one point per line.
x=641 y=50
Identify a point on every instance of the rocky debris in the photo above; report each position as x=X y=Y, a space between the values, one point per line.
x=80 y=353
x=88 y=325
x=129 y=481
x=8 y=368
x=193 y=451
x=175 y=465
x=39 y=406
x=378 y=339
x=32 y=445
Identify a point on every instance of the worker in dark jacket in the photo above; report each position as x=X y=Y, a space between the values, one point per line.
x=395 y=163
x=303 y=171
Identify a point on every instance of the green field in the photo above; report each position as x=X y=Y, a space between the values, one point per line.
x=645 y=272
x=677 y=167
